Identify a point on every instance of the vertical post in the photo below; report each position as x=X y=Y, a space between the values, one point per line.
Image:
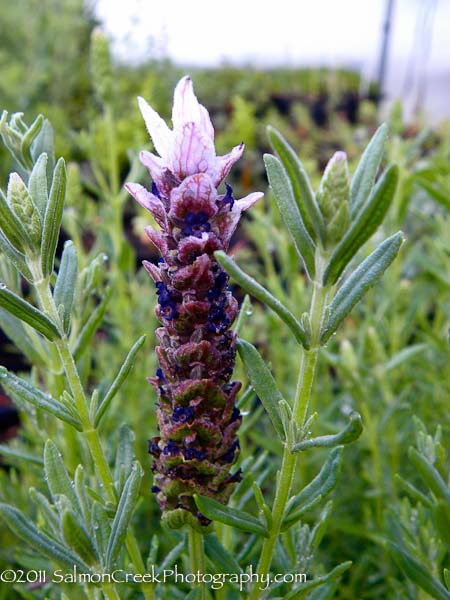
x=386 y=33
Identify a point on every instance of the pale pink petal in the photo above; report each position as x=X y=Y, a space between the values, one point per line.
x=195 y=194
x=193 y=152
x=185 y=104
x=161 y=135
x=154 y=164
x=224 y=163
x=205 y=122
x=186 y=108
x=155 y=273
x=149 y=201
x=226 y=222
x=247 y=201
x=157 y=238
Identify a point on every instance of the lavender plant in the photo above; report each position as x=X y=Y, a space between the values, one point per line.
x=89 y=523
x=197 y=416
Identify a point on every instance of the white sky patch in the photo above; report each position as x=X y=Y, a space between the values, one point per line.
x=286 y=32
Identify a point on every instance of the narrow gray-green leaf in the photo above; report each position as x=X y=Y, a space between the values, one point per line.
x=101 y=527
x=57 y=478
x=41 y=543
x=37 y=184
x=287 y=205
x=429 y=474
x=90 y=327
x=26 y=392
x=16 y=454
x=230 y=516
x=365 y=223
x=44 y=142
x=361 y=280
x=53 y=216
x=125 y=451
x=29 y=138
x=17 y=258
x=77 y=538
x=321 y=485
x=46 y=509
x=119 y=379
x=318 y=581
x=222 y=558
x=27 y=313
x=125 y=508
x=303 y=193
x=254 y=288
x=404 y=355
x=12 y=227
x=66 y=281
x=349 y=434
x=30 y=345
x=417 y=572
x=364 y=176
x=263 y=383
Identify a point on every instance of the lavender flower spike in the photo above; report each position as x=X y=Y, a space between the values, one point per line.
x=197 y=416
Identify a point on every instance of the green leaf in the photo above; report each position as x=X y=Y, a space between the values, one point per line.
x=222 y=559
x=29 y=138
x=349 y=434
x=195 y=594
x=415 y=571
x=16 y=454
x=12 y=227
x=100 y=526
x=28 y=343
x=447 y=578
x=56 y=475
x=53 y=216
x=119 y=380
x=40 y=542
x=404 y=355
x=429 y=474
x=364 y=176
x=91 y=326
x=125 y=508
x=37 y=184
x=125 y=452
x=230 y=516
x=287 y=205
x=24 y=391
x=17 y=258
x=77 y=538
x=251 y=286
x=441 y=196
x=320 y=486
x=303 y=193
x=318 y=581
x=441 y=516
x=22 y=204
x=46 y=509
x=359 y=282
x=27 y=313
x=66 y=281
x=263 y=383
x=363 y=225
x=44 y=142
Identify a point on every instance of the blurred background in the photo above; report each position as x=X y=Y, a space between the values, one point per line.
x=324 y=73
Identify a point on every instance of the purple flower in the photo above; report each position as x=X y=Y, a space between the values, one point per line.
x=197 y=416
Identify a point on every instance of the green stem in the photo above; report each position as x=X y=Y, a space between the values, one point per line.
x=197 y=553
x=300 y=411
